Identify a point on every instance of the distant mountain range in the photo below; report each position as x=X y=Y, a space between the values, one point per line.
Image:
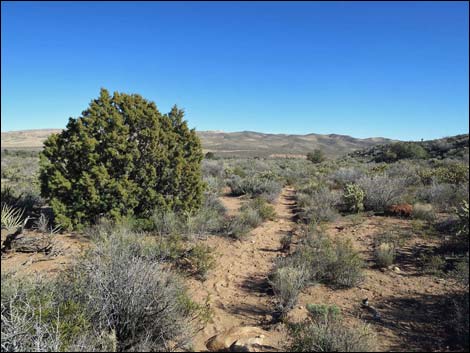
x=244 y=143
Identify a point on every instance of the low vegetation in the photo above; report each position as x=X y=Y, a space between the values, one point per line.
x=324 y=331
x=148 y=233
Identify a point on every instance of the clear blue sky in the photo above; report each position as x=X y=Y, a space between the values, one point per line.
x=397 y=70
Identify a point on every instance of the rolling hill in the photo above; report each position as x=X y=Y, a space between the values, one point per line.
x=245 y=143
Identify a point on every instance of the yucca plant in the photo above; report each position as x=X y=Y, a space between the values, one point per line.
x=12 y=217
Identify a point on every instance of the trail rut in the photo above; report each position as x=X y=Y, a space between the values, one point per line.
x=238 y=287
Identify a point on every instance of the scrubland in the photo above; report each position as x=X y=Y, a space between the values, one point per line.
x=363 y=252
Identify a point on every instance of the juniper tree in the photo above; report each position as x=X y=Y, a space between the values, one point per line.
x=121 y=158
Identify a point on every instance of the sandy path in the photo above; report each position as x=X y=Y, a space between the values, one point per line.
x=237 y=287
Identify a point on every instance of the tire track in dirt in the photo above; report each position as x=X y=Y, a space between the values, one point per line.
x=238 y=286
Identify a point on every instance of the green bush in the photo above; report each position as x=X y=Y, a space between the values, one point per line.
x=324 y=313
x=402 y=150
x=200 y=259
x=122 y=157
x=353 y=197
x=317 y=156
x=454 y=173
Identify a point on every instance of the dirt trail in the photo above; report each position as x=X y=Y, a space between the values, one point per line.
x=238 y=287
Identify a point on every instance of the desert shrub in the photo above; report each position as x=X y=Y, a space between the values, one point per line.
x=126 y=293
x=406 y=170
x=385 y=254
x=324 y=313
x=424 y=212
x=214 y=185
x=433 y=264
x=255 y=186
x=12 y=218
x=318 y=205
x=324 y=331
x=208 y=219
x=237 y=227
x=165 y=222
x=287 y=283
x=200 y=260
x=122 y=157
x=251 y=217
x=453 y=173
x=332 y=263
x=381 y=191
x=353 y=198
x=252 y=214
x=264 y=209
x=443 y=196
x=25 y=199
x=212 y=168
x=347 y=266
x=344 y=176
x=37 y=318
x=317 y=156
x=401 y=150
x=286 y=242
x=23 y=328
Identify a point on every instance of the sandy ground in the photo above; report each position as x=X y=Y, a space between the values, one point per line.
x=412 y=305
x=238 y=287
x=66 y=247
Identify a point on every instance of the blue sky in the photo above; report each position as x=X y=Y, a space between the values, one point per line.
x=397 y=70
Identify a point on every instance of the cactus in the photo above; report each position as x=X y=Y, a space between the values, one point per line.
x=353 y=198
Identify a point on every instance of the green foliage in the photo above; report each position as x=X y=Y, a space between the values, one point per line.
x=122 y=157
x=323 y=312
x=454 y=173
x=317 y=156
x=402 y=150
x=200 y=260
x=353 y=197
x=450 y=173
